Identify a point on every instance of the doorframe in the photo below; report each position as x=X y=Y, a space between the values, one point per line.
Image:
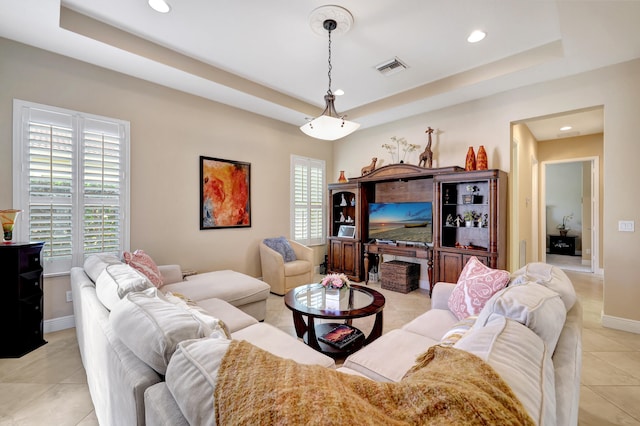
x=595 y=208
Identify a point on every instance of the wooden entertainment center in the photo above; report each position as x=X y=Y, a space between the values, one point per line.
x=352 y=251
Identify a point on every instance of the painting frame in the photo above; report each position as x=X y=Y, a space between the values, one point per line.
x=225 y=193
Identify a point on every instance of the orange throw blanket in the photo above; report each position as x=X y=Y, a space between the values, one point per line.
x=447 y=386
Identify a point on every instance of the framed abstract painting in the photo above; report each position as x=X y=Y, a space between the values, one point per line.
x=225 y=193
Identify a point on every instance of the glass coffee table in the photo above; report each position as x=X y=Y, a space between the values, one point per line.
x=314 y=301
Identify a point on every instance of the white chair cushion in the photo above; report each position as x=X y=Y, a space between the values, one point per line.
x=549 y=276
x=521 y=358
x=532 y=305
x=96 y=263
x=152 y=326
x=116 y=281
x=192 y=375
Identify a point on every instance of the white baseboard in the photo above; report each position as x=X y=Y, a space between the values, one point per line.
x=57 y=324
x=623 y=324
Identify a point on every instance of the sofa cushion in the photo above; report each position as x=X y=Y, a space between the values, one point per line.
x=234 y=287
x=276 y=341
x=476 y=284
x=152 y=326
x=192 y=376
x=144 y=263
x=282 y=246
x=116 y=281
x=532 y=305
x=96 y=263
x=548 y=276
x=521 y=358
x=234 y=318
x=432 y=324
x=389 y=357
x=458 y=331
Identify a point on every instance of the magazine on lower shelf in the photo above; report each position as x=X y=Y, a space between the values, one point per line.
x=341 y=336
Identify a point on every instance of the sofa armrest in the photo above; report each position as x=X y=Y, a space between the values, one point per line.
x=440 y=295
x=170 y=273
x=302 y=252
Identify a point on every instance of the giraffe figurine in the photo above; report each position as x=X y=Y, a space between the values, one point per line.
x=426 y=158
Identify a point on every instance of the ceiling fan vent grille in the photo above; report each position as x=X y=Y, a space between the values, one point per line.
x=392 y=66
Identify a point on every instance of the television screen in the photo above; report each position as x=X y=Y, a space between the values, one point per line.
x=409 y=222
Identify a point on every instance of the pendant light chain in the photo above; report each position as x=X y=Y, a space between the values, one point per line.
x=329 y=92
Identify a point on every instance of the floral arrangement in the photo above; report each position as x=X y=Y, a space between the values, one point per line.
x=335 y=281
x=406 y=147
x=472 y=188
x=565 y=219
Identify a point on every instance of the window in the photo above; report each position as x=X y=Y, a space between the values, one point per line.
x=308 y=205
x=70 y=178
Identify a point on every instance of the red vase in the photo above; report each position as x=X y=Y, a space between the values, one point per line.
x=342 y=178
x=481 y=161
x=470 y=162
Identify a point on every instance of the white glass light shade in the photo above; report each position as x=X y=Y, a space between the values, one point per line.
x=329 y=126
x=160 y=6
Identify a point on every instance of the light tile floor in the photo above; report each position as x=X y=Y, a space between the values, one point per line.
x=48 y=385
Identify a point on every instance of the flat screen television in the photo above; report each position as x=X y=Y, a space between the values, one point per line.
x=401 y=222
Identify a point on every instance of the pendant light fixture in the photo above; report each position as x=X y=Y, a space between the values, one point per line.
x=330 y=125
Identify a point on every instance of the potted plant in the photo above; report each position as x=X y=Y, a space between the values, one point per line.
x=468 y=218
x=563 y=228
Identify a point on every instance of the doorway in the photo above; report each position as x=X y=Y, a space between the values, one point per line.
x=536 y=144
x=569 y=213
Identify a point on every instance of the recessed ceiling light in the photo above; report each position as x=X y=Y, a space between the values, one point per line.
x=565 y=128
x=476 y=36
x=339 y=92
x=160 y=6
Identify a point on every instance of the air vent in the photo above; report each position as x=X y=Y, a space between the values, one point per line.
x=392 y=66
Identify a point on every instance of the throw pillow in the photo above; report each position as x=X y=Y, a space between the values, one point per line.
x=145 y=264
x=458 y=330
x=476 y=284
x=282 y=246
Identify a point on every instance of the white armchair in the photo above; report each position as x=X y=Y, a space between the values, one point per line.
x=283 y=276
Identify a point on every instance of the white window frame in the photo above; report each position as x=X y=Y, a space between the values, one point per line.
x=78 y=123
x=317 y=189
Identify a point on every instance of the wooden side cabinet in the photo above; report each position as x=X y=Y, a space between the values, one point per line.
x=21 y=303
x=345 y=230
x=469 y=220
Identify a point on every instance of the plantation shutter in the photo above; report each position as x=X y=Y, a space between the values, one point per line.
x=307 y=194
x=69 y=180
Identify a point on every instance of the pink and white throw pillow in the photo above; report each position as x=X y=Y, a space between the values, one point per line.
x=476 y=284
x=144 y=263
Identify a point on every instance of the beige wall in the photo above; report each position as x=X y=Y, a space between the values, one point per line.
x=521 y=189
x=169 y=131
x=487 y=122
x=580 y=147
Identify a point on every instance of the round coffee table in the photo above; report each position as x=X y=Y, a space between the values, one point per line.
x=314 y=301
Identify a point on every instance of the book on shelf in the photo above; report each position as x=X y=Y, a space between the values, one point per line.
x=341 y=336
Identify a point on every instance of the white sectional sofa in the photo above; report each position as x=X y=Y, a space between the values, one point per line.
x=118 y=377
x=529 y=332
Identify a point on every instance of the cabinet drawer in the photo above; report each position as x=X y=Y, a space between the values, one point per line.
x=30 y=259
x=29 y=284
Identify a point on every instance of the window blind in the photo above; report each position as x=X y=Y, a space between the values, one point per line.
x=308 y=200
x=70 y=180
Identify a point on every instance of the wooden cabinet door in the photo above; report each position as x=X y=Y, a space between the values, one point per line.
x=449 y=266
x=335 y=256
x=349 y=258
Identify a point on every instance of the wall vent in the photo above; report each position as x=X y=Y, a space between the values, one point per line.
x=392 y=66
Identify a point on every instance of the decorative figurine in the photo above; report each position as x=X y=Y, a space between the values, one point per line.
x=450 y=220
x=342 y=219
x=353 y=201
x=343 y=202
x=371 y=167
x=458 y=221
x=426 y=158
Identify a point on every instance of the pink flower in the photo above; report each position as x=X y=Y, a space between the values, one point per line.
x=335 y=281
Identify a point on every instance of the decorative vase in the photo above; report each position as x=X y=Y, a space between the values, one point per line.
x=563 y=232
x=342 y=178
x=468 y=224
x=470 y=162
x=481 y=161
x=8 y=218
